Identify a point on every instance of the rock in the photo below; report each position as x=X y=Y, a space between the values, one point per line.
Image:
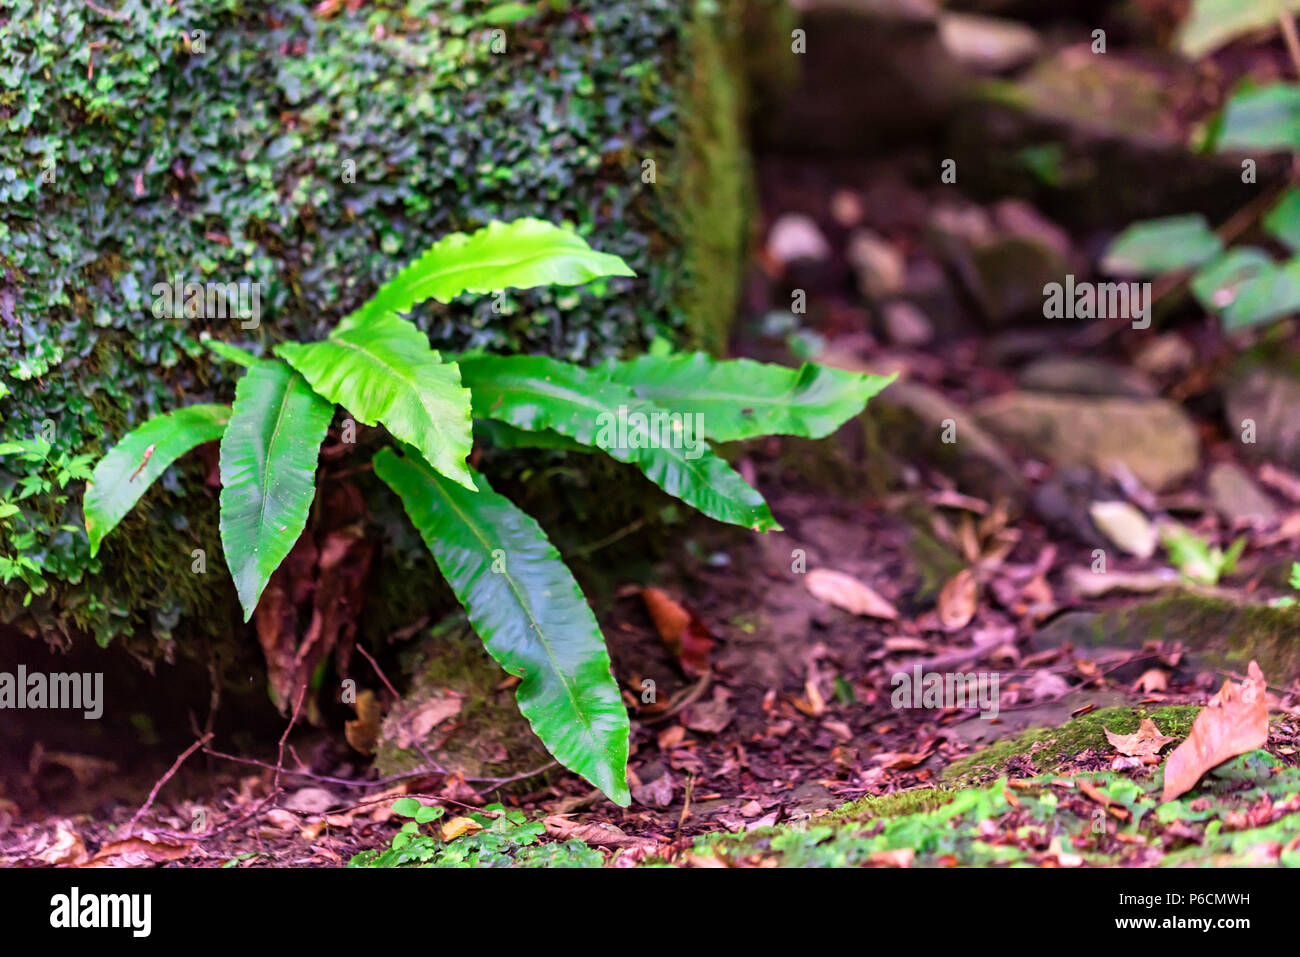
x=1085 y=377
x=1097 y=140
x=880 y=266
x=1217 y=633
x=986 y=44
x=1126 y=526
x=906 y=325
x=1004 y=261
x=794 y=238
x=859 y=86
x=1264 y=405
x=1166 y=354
x=911 y=420
x=1064 y=500
x=1153 y=438
x=1236 y=496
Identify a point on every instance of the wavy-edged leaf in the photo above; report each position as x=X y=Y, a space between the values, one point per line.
x=1156 y=246
x=503 y=436
x=268 y=472
x=381 y=369
x=525 y=605
x=535 y=393
x=140 y=456
x=1214 y=23
x=1262 y=118
x=231 y=353
x=742 y=399
x=520 y=254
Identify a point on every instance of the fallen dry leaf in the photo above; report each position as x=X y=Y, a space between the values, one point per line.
x=958 y=599
x=709 y=717
x=593 y=832
x=1153 y=679
x=682 y=632
x=363 y=733
x=67 y=849
x=459 y=825
x=1235 y=721
x=137 y=852
x=899 y=858
x=1146 y=740
x=846 y=592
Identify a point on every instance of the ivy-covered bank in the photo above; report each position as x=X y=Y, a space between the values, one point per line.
x=311 y=149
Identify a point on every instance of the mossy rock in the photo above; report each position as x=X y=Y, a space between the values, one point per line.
x=1046 y=749
x=1218 y=632
x=485 y=736
x=317 y=174
x=1044 y=821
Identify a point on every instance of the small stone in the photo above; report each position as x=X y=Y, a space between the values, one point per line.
x=880 y=266
x=906 y=325
x=795 y=237
x=1153 y=438
x=1085 y=377
x=1236 y=496
x=987 y=44
x=1126 y=526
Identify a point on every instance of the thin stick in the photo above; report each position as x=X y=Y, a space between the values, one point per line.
x=1292 y=39
x=171 y=772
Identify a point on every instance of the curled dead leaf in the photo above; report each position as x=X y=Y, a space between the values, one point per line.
x=459 y=825
x=846 y=592
x=1145 y=741
x=1234 y=722
x=958 y=600
x=682 y=632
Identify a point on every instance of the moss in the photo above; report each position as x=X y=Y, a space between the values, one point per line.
x=1222 y=633
x=1050 y=748
x=874 y=806
x=717 y=194
x=487 y=737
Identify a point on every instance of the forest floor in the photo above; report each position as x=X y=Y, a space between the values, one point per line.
x=773 y=736
x=1053 y=503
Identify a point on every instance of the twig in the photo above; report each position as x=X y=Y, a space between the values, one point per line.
x=171 y=772
x=1292 y=39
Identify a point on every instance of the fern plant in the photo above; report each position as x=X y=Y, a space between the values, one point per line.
x=518 y=594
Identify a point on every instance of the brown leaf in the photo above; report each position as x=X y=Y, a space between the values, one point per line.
x=899 y=858
x=137 y=852
x=682 y=632
x=958 y=600
x=709 y=717
x=594 y=832
x=845 y=591
x=363 y=733
x=1146 y=740
x=67 y=849
x=1234 y=722
x=459 y=825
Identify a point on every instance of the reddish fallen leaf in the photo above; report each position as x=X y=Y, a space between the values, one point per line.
x=1234 y=722
x=363 y=733
x=958 y=600
x=598 y=833
x=1145 y=741
x=846 y=592
x=899 y=858
x=709 y=717
x=66 y=850
x=137 y=852
x=682 y=632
